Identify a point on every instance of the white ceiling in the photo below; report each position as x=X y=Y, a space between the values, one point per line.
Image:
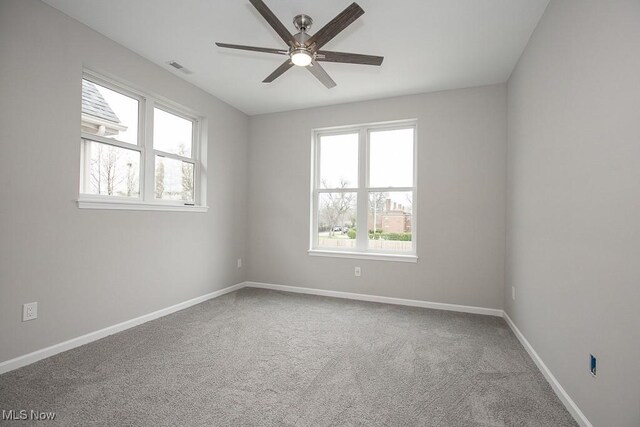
x=428 y=45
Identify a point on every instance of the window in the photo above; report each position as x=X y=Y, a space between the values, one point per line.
x=364 y=191
x=174 y=164
x=138 y=152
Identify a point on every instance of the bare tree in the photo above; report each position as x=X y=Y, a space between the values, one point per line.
x=131 y=180
x=376 y=204
x=409 y=199
x=105 y=175
x=160 y=179
x=187 y=181
x=187 y=175
x=335 y=206
x=96 y=168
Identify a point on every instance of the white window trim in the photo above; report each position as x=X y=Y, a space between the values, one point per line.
x=146 y=200
x=374 y=256
x=135 y=205
x=361 y=251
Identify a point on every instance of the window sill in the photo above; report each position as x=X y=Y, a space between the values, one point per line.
x=364 y=255
x=137 y=206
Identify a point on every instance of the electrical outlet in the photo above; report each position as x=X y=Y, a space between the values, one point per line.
x=592 y=364
x=239 y=262
x=29 y=311
x=358 y=272
x=513 y=293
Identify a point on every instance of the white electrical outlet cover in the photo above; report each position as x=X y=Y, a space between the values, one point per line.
x=29 y=311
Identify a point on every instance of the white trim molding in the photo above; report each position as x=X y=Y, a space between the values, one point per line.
x=37 y=355
x=364 y=255
x=562 y=394
x=380 y=299
x=138 y=205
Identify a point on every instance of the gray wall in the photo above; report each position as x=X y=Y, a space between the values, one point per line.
x=89 y=269
x=461 y=193
x=574 y=202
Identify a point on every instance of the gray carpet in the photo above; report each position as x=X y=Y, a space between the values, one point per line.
x=265 y=358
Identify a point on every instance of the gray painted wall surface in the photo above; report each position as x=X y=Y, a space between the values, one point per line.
x=567 y=197
x=461 y=199
x=89 y=269
x=574 y=202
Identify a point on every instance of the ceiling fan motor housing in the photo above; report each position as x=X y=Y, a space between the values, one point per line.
x=302 y=22
x=301 y=38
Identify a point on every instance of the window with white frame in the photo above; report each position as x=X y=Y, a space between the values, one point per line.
x=136 y=149
x=364 y=187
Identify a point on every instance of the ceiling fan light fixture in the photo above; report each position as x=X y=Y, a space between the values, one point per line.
x=301 y=57
x=303 y=49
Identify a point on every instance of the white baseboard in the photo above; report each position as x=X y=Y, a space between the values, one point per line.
x=374 y=298
x=27 y=359
x=551 y=379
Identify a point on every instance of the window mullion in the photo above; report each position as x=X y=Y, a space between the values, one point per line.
x=173 y=156
x=109 y=141
x=362 y=214
x=146 y=137
x=337 y=190
x=389 y=189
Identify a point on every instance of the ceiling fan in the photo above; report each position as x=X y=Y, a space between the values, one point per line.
x=303 y=49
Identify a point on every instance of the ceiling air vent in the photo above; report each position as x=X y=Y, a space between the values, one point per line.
x=179 y=67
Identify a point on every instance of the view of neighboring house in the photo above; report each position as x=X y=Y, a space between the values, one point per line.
x=98 y=117
x=394 y=218
x=107 y=169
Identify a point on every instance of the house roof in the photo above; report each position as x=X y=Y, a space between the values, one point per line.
x=94 y=104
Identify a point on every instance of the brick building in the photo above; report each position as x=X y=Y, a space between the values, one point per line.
x=394 y=218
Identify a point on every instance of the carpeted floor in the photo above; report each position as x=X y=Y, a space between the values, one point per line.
x=265 y=358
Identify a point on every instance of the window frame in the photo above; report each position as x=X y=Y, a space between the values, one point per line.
x=146 y=199
x=362 y=251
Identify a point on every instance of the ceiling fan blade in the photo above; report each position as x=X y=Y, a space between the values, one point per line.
x=279 y=71
x=317 y=70
x=348 y=58
x=253 y=48
x=337 y=24
x=275 y=23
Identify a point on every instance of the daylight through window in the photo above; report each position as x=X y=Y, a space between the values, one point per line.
x=364 y=191
x=123 y=160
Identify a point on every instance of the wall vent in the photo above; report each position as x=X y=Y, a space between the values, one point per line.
x=179 y=67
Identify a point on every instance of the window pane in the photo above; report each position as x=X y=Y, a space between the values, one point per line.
x=339 y=161
x=337 y=220
x=108 y=113
x=391 y=158
x=390 y=221
x=174 y=179
x=172 y=134
x=111 y=171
